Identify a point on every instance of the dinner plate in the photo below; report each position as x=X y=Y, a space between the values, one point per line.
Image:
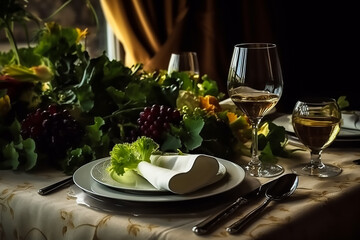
x=133 y=182
x=233 y=177
x=344 y=137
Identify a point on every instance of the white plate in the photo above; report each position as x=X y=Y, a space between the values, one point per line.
x=344 y=133
x=82 y=178
x=131 y=181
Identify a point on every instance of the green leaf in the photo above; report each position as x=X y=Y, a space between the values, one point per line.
x=93 y=132
x=118 y=96
x=184 y=81
x=11 y=157
x=30 y=154
x=342 y=102
x=137 y=92
x=275 y=140
x=208 y=87
x=267 y=154
x=85 y=95
x=193 y=127
x=76 y=158
x=171 y=143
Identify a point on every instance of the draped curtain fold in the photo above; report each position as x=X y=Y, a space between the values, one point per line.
x=150 y=30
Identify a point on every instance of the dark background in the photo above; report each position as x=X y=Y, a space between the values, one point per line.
x=318 y=46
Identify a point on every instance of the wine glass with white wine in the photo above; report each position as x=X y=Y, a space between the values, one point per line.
x=255 y=85
x=316 y=123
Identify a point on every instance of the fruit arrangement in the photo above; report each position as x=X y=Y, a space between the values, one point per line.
x=59 y=107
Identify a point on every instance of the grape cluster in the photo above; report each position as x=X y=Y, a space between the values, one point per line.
x=54 y=130
x=155 y=120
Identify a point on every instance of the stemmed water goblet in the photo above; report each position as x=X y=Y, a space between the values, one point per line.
x=255 y=85
x=316 y=123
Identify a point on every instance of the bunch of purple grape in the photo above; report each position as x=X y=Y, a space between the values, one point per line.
x=53 y=130
x=155 y=120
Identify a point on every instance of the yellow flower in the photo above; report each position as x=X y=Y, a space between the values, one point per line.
x=81 y=34
x=5 y=105
x=43 y=73
x=210 y=103
x=232 y=117
x=40 y=73
x=264 y=129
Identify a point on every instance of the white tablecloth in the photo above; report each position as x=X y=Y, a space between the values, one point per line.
x=319 y=209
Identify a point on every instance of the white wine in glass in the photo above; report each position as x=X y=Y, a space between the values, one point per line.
x=255 y=85
x=316 y=123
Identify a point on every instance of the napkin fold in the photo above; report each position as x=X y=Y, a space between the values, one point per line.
x=181 y=174
x=351 y=120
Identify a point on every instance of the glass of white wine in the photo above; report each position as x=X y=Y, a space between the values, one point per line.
x=184 y=62
x=255 y=85
x=316 y=123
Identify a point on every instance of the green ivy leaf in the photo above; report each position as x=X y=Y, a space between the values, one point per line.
x=208 y=87
x=118 y=96
x=171 y=143
x=29 y=154
x=193 y=127
x=11 y=157
x=342 y=102
x=77 y=157
x=94 y=133
x=267 y=154
x=85 y=96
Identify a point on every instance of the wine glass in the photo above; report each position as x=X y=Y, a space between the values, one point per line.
x=316 y=123
x=184 y=62
x=255 y=85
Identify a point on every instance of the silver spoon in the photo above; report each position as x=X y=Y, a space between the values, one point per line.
x=281 y=189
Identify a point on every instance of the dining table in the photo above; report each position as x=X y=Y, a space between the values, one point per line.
x=320 y=208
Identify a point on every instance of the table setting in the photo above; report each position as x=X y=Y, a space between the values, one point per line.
x=93 y=149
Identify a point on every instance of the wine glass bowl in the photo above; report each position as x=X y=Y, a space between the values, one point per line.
x=184 y=62
x=316 y=123
x=255 y=85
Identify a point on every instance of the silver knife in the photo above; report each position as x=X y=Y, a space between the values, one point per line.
x=55 y=186
x=209 y=223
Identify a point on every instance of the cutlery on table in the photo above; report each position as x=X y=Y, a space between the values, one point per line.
x=211 y=222
x=282 y=188
x=55 y=186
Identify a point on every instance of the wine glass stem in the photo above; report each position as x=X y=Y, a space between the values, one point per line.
x=315 y=160
x=255 y=162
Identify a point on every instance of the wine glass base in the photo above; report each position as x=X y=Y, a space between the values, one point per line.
x=326 y=170
x=264 y=170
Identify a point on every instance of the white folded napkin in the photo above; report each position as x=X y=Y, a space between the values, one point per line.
x=351 y=120
x=181 y=174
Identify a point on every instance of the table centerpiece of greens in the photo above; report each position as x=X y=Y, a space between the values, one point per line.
x=60 y=107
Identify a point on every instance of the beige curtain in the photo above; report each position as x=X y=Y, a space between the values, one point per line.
x=150 y=30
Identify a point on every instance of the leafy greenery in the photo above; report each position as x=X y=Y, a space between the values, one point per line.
x=342 y=102
x=106 y=97
x=127 y=156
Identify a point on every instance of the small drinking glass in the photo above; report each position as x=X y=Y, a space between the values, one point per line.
x=316 y=123
x=184 y=62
